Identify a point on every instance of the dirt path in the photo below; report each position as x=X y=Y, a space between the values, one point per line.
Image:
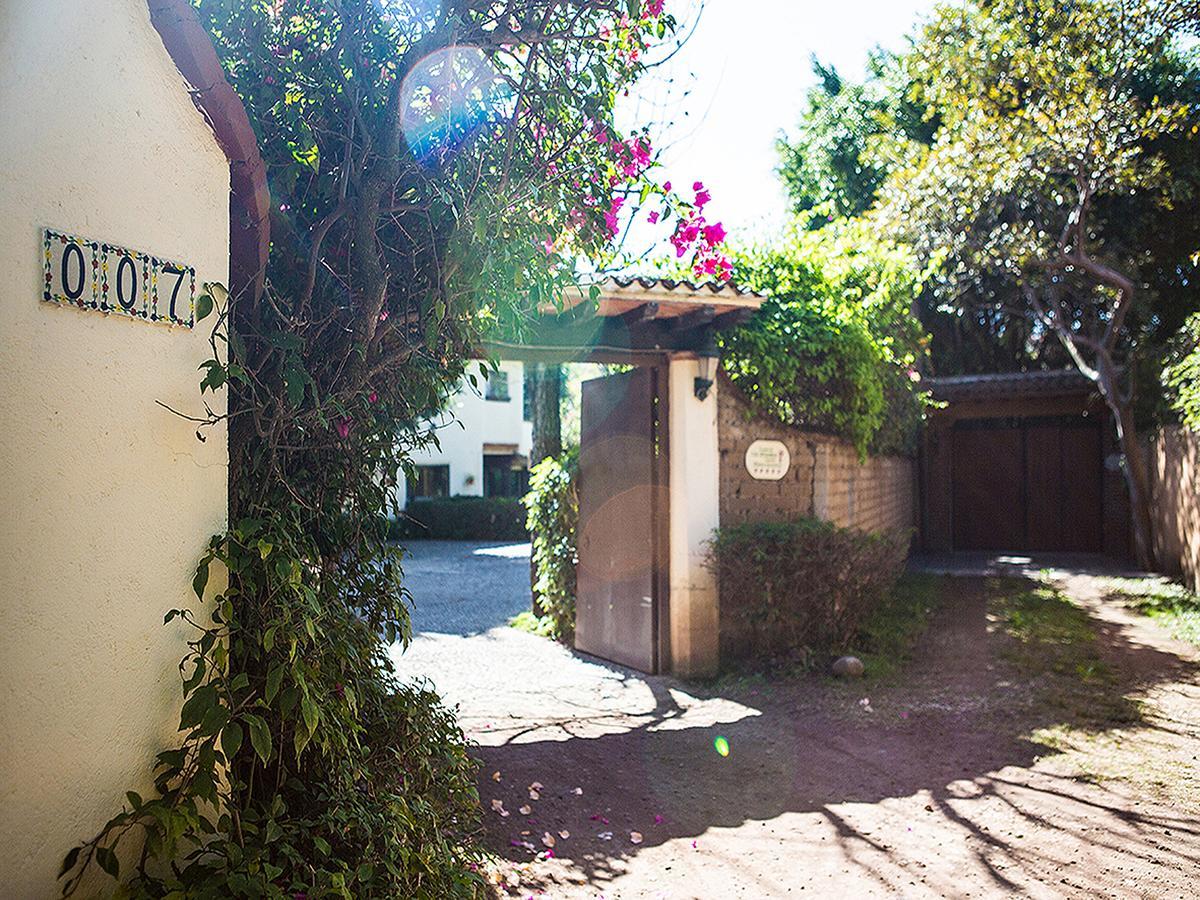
x=956 y=780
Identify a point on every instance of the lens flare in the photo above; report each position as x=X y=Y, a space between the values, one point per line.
x=446 y=98
x=721 y=745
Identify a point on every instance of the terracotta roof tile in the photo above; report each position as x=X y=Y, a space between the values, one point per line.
x=654 y=282
x=1010 y=384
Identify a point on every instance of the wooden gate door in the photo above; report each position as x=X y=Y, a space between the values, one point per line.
x=622 y=519
x=987 y=486
x=1027 y=484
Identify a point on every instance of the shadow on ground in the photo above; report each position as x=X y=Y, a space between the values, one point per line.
x=930 y=783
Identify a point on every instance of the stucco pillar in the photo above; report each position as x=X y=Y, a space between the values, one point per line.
x=695 y=504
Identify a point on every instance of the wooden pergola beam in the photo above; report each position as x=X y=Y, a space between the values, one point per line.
x=643 y=322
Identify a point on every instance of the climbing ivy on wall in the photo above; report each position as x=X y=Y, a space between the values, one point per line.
x=808 y=368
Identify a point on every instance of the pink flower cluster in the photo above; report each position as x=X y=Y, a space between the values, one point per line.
x=610 y=217
x=630 y=42
x=706 y=242
x=630 y=156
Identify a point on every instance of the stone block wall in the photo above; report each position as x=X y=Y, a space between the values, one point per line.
x=826 y=479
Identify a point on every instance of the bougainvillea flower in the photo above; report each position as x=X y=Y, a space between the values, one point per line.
x=610 y=217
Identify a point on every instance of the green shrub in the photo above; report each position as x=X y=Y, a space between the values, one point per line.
x=553 y=506
x=836 y=345
x=372 y=790
x=799 y=589
x=796 y=363
x=463 y=519
x=1182 y=379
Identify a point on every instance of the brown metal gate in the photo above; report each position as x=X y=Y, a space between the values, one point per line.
x=1027 y=484
x=621 y=591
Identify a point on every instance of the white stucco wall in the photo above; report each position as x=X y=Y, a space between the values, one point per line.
x=695 y=509
x=107 y=499
x=468 y=424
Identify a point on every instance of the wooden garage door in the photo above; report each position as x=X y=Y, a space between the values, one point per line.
x=1027 y=484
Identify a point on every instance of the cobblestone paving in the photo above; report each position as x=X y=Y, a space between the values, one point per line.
x=466 y=587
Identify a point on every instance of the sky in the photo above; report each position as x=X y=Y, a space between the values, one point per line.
x=740 y=80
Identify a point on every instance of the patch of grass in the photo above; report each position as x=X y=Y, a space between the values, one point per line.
x=884 y=642
x=1054 y=645
x=886 y=639
x=542 y=626
x=1173 y=605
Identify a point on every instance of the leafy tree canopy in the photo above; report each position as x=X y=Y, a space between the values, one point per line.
x=852 y=136
x=1048 y=133
x=835 y=159
x=1182 y=376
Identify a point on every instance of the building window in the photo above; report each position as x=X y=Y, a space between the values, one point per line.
x=505 y=475
x=497 y=387
x=429 y=482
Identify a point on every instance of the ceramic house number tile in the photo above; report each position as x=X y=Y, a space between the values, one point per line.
x=72 y=270
x=116 y=280
x=123 y=281
x=172 y=292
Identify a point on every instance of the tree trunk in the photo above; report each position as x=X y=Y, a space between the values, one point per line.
x=546 y=381
x=1137 y=474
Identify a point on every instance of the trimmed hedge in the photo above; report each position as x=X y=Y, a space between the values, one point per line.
x=799 y=590
x=462 y=519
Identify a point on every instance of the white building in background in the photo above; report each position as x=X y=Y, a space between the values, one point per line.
x=485 y=437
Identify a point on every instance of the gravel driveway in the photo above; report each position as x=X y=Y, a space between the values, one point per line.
x=932 y=786
x=466 y=587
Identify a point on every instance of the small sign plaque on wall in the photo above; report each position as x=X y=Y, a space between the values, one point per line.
x=114 y=280
x=768 y=460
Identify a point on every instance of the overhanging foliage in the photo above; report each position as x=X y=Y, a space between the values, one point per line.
x=835 y=347
x=1182 y=378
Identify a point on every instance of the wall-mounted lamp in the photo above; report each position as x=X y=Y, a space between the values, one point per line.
x=708 y=355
